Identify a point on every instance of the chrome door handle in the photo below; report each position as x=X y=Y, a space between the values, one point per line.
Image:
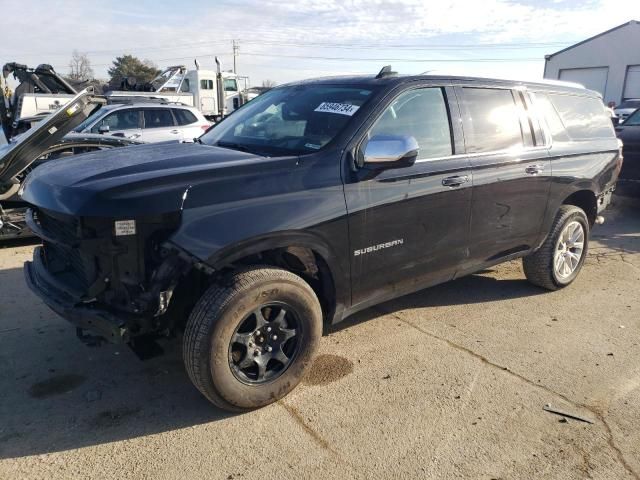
x=455 y=181
x=534 y=169
x=175 y=131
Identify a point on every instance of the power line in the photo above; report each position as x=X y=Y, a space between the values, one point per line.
x=295 y=44
x=129 y=49
x=491 y=46
x=411 y=60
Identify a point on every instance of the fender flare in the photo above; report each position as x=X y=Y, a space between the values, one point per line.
x=553 y=206
x=339 y=274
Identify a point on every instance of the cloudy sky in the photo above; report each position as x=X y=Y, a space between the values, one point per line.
x=288 y=40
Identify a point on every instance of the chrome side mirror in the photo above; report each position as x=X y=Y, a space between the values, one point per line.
x=104 y=129
x=392 y=151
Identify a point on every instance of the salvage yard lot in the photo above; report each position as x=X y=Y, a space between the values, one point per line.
x=448 y=382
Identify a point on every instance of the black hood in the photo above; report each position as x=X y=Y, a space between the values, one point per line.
x=137 y=180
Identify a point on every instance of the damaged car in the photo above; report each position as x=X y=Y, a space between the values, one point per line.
x=313 y=201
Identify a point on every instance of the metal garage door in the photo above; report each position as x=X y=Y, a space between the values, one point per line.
x=592 y=78
x=632 y=82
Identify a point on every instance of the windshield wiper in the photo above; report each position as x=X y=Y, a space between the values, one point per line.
x=234 y=146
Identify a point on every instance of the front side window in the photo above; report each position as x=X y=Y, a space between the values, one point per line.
x=491 y=120
x=120 y=120
x=422 y=114
x=290 y=120
x=230 y=85
x=158 y=118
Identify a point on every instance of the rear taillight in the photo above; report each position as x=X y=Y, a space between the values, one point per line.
x=205 y=127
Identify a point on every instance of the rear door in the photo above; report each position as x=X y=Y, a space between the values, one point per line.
x=159 y=126
x=511 y=172
x=408 y=226
x=188 y=123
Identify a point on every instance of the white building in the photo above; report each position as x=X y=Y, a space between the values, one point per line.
x=608 y=63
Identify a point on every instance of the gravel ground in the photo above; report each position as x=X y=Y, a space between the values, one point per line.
x=449 y=382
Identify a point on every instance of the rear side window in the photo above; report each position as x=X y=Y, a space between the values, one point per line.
x=184 y=117
x=158 y=118
x=546 y=110
x=584 y=118
x=422 y=114
x=491 y=120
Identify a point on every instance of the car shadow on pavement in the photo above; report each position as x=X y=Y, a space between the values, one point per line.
x=58 y=394
x=473 y=289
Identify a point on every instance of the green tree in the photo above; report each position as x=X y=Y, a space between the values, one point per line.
x=128 y=66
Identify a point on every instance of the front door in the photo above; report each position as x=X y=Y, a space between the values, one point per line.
x=122 y=123
x=511 y=172
x=408 y=226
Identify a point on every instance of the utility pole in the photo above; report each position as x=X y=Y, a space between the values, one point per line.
x=236 y=48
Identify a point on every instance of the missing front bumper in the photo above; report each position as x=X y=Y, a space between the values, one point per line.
x=82 y=315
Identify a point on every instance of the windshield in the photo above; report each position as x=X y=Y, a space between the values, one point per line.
x=89 y=120
x=633 y=120
x=289 y=120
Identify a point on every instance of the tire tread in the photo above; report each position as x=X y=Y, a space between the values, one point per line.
x=538 y=266
x=207 y=312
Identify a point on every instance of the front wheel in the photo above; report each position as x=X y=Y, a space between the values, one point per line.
x=248 y=343
x=560 y=258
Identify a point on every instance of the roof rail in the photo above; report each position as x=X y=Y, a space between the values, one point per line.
x=386 y=72
x=560 y=83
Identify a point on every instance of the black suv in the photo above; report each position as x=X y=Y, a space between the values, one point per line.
x=313 y=201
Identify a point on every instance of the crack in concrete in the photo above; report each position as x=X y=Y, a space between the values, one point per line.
x=315 y=436
x=597 y=413
x=322 y=443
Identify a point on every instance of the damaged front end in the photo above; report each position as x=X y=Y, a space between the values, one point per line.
x=113 y=278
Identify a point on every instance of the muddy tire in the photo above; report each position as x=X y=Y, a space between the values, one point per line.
x=559 y=260
x=248 y=343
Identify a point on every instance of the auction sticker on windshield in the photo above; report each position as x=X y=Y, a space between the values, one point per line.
x=339 y=108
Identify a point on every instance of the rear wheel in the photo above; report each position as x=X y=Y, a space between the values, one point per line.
x=560 y=258
x=248 y=343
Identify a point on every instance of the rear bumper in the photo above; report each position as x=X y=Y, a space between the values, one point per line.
x=83 y=315
x=604 y=199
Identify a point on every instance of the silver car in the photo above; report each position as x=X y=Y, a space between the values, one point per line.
x=147 y=122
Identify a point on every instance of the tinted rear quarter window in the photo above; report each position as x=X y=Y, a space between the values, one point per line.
x=491 y=120
x=585 y=118
x=184 y=117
